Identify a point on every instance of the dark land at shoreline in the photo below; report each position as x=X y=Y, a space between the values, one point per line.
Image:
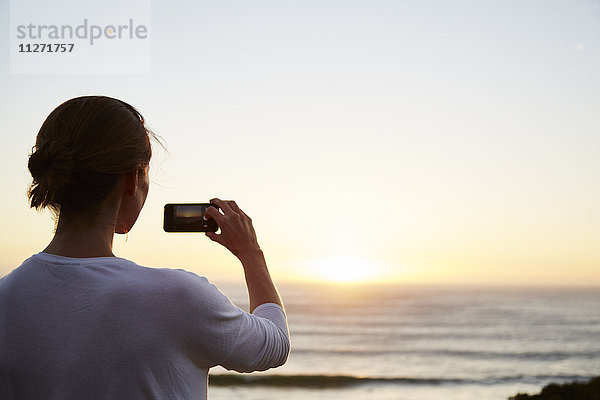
x=568 y=391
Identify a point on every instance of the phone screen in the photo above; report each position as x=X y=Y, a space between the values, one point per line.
x=188 y=217
x=185 y=211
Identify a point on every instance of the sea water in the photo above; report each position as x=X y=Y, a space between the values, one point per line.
x=423 y=342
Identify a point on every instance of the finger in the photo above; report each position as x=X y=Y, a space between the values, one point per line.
x=245 y=215
x=234 y=206
x=214 y=237
x=222 y=205
x=212 y=212
x=237 y=209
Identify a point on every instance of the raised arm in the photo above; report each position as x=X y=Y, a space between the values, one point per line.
x=238 y=236
x=262 y=340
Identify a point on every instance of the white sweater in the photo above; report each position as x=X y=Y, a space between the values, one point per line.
x=108 y=328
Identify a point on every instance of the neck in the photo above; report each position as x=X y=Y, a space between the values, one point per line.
x=83 y=236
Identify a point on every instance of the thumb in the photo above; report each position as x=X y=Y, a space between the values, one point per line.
x=214 y=237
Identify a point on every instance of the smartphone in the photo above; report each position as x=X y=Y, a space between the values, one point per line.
x=188 y=217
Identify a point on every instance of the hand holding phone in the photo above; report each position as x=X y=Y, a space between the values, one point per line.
x=237 y=232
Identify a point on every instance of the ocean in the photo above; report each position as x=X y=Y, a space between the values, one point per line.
x=385 y=342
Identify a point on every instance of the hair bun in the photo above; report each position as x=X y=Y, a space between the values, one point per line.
x=38 y=163
x=50 y=157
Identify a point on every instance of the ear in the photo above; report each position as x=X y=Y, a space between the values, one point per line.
x=131 y=183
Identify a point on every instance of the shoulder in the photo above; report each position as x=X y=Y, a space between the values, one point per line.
x=175 y=278
x=179 y=285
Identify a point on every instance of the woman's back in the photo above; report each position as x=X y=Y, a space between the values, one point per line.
x=105 y=327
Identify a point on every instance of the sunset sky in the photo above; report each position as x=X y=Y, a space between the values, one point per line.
x=398 y=141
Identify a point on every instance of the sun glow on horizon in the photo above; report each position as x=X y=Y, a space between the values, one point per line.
x=344 y=269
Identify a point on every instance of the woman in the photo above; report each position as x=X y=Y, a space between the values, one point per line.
x=77 y=322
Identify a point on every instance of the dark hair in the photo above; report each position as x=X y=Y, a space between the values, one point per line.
x=82 y=149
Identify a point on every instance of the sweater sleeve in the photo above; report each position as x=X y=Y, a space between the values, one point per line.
x=262 y=341
x=224 y=334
